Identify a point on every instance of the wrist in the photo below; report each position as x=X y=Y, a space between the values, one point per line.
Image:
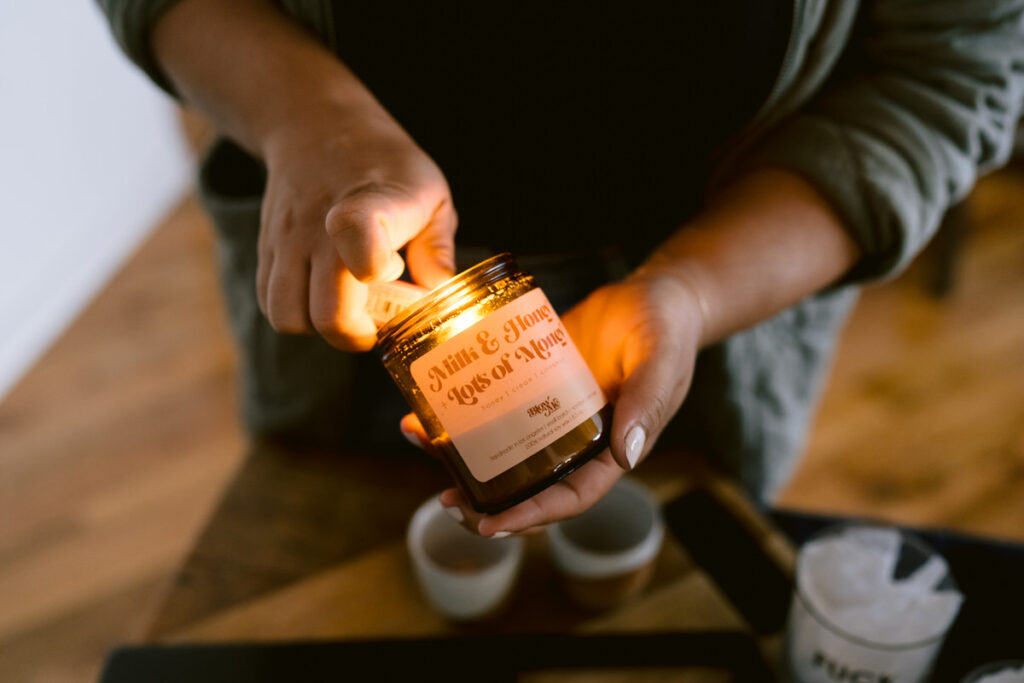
x=322 y=120
x=764 y=243
x=686 y=286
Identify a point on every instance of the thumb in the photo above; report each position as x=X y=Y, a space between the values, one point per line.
x=657 y=377
x=367 y=229
x=431 y=253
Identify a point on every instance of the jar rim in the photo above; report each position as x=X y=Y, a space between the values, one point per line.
x=481 y=274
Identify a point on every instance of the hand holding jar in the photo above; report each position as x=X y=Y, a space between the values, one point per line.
x=640 y=339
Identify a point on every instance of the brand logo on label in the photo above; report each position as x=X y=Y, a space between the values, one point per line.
x=843 y=672
x=545 y=407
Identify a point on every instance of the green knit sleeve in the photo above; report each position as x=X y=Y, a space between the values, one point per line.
x=893 y=144
x=131 y=22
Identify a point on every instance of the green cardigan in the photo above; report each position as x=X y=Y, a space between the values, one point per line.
x=891 y=147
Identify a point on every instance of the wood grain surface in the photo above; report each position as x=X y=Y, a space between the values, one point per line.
x=311 y=546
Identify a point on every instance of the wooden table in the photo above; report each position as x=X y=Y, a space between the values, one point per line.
x=310 y=545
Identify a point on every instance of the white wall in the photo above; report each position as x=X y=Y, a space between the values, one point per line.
x=90 y=159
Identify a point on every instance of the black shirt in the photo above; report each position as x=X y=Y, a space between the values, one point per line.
x=566 y=125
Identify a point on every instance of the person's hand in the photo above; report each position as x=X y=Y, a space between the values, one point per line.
x=345 y=192
x=640 y=338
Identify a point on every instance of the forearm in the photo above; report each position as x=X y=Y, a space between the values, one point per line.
x=766 y=242
x=251 y=70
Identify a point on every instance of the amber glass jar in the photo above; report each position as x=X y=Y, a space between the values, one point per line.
x=499 y=386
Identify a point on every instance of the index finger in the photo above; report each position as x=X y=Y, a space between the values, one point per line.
x=337 y=305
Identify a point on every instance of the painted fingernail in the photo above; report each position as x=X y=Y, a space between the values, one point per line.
x=455 y=513
x=501 y=534
x=635 y=445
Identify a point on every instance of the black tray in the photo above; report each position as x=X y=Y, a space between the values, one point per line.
x=476 y=658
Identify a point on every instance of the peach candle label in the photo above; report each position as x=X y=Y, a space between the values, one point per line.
x=508 y=386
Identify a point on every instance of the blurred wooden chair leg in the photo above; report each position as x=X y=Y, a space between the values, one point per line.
x=947 y=249
x=949 y=241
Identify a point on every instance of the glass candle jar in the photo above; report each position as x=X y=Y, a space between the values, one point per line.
x=501 y=390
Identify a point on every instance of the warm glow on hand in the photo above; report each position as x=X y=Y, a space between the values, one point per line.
x=640 y=338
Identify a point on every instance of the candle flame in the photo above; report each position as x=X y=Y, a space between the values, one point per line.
x=467 y=318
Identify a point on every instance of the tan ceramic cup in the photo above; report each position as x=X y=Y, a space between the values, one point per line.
x=606 y=555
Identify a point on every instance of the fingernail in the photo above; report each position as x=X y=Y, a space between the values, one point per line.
x=455 y=513
x=412 y=438
x=635 y=445
x=501 y=534
x=396 y=267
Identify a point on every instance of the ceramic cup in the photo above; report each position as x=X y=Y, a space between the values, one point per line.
x=607 y=554
x=464 y=576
